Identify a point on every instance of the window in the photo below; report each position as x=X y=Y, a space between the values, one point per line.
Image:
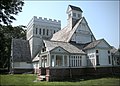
x=40 y=31
x=109 y=60
x=43 y=31
x=36 y=30
x=108 y=52
x=59 y=60
x=52 y=61
x=96 y=51
x=79 y=15
x=54 y=31
x=74 y=14
x=47 y=32
x=65 y=60
x=97 y=60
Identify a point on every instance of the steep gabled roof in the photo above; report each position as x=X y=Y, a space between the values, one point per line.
x=94 y=44
x=20 y=50
x=65 y=34
x=75 y=8
x=50 y=45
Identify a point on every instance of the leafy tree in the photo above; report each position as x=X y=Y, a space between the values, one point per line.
x=8 y=8
x=6 y=35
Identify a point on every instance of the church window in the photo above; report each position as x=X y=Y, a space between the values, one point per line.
x=54 y=31
x=52 y=61
x=108 y=52
x=97 y=59
x=109 y=60
x=40 y=31
x=65 y=60
x=47 y=32
x=59 y=60
x=74 y=14
x=79 y=15
x=43 y=31
x=36 y=30
x=96 y=51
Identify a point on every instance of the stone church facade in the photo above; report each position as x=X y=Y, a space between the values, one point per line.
x=55 y=54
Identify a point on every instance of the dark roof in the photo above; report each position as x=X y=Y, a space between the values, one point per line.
x=20 y=50
x=75 y=8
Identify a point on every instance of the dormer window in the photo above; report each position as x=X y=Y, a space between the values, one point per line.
x=74 y=14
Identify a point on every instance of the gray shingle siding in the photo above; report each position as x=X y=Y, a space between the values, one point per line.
x=20 y=50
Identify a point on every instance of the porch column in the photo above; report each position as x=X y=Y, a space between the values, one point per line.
x=68 y=60
x=40 y=61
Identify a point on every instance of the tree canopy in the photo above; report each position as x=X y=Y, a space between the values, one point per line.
x=6 y=35
x=8 y=8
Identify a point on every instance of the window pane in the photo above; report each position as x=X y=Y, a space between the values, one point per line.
x=40 y=31
x=43 y=31
x=65 y=60
x=74 y=14
x=52 y=60
x=59 y=60
x=109 y=59
x=97 y=60
x=47 y=32
x=36 y=30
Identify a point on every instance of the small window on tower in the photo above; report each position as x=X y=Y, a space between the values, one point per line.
x=79 y=15
x=36 y=30
x=40 y=31
x=47 y=32
x=43 y=31
x=74 y=14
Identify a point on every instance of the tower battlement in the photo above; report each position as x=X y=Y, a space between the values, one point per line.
x=35 y=18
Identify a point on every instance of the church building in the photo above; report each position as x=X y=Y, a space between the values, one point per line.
x=57 y=54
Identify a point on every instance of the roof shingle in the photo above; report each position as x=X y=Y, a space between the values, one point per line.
x=20 y=50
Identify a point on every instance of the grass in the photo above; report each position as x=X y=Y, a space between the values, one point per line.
x=27 y=79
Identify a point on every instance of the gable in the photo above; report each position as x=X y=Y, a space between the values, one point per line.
x=59 y=50
x=103 y=44
x=82 y=34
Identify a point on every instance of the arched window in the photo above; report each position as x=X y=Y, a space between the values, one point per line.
x=54 y=31
x=40 y=31
x=47 y=32
x=36 y=30
x=43 y=31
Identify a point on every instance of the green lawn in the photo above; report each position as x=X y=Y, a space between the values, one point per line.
x=29 y=78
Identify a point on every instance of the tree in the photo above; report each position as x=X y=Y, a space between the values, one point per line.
x=8 y=8
x=6 y=35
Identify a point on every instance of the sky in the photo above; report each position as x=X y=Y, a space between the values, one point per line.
x=102 y=16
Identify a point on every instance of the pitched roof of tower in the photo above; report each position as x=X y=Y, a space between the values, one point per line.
x=75 y=8
x=20 y=50
x=50 y=45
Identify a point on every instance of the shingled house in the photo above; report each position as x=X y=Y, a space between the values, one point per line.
x=67 y=53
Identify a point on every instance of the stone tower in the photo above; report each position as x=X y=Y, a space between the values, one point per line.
x=39 y=29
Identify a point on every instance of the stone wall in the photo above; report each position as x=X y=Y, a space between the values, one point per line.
x=53 y=74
